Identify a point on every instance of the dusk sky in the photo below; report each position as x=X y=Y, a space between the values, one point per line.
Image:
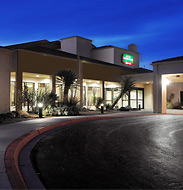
x=156 y=27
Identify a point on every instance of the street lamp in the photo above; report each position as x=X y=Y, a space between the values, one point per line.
x=40 y=106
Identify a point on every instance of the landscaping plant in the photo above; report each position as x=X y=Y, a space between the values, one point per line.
x=127 y=84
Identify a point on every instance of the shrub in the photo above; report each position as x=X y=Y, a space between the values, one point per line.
x=71 y=111
x=177 y=105
x=23 y=113
x=170 y=105
x=124 y=109
x=8 y=115
x=99 y=101
x=108 y=106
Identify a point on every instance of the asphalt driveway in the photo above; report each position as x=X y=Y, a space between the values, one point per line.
x=119 y=153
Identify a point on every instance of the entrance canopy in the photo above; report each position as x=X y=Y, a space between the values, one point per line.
x=165 y=72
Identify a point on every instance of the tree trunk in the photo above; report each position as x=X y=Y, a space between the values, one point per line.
x=28 y=106
x=117 y=99
x=66 y=90
x=129 y=99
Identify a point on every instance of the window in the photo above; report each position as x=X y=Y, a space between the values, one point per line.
x=111 y=95
x=43 y=87
x=59 y=92
x=30 y=86
x=136 y=98
x=93 y=93
x=12 y=93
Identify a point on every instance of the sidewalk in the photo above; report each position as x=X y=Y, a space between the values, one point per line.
x=10 y=132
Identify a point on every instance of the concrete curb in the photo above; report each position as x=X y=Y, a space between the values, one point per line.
x=13 y=150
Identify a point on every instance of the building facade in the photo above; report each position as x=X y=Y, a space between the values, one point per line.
x=99 y=69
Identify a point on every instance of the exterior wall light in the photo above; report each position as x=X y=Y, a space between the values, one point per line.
x=40 y=106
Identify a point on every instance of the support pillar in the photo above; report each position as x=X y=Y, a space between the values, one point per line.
x=53 y=84
x=18 y=90
x=80 y=77
x=164 y=96
x=103 y=91
x=81 y=93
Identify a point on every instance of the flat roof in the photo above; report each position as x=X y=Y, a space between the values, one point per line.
x=76 y=37
x=110 y=46
x=180 y=58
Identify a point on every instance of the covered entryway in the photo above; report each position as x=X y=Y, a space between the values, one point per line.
x=168 y=85
x=172 y=91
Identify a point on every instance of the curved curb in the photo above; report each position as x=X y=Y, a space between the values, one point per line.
x=13 y=150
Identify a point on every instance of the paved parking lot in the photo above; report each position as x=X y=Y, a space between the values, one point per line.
x=132 y=152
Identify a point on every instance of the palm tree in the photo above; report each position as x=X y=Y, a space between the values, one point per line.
x=127 y=85
x=66 y=77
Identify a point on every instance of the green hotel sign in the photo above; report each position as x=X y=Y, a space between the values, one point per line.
x=127 y=59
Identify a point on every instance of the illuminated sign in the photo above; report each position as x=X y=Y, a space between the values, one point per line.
x=127 y=59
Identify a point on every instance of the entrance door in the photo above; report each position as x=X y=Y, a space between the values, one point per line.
x=181 y=98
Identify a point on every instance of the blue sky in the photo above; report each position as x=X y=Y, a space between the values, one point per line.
x=156 y=27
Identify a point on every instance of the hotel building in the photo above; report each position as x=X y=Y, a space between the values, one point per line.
x=99 y=70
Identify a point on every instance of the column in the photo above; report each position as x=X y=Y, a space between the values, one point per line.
x=53 y=84
x=103 y=90
x=18 y=90
x=164 y=96
x=80 y=77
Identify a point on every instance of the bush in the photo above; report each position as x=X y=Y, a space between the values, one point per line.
x=177 y=105
x=8 y=115
x=108 y=106
x=99 y=101
x=124 y=109
x=69 y=110
x=170 y=105
x=23 y=113
x=68 y=107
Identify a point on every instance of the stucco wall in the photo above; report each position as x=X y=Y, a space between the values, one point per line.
x=175 y=88
x=148 y=96
x=114 y=55
x=33 y=62
x=76 y=45
x=103 y=54
x=69 y=45
x=118 y=57
x=159 y=71
x=5 y=58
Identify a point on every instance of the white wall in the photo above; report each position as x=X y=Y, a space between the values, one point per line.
x=118 y=52
x=142 y=77
x=69 y=45
x=114 y=55
x=77 y=45
x=103 y=54
x=174 y=88
x=148 y=96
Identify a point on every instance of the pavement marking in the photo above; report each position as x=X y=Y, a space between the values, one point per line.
x=172 y=132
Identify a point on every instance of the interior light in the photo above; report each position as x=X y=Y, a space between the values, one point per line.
x=47 y=80
x=167 y=82
x=37 y=75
